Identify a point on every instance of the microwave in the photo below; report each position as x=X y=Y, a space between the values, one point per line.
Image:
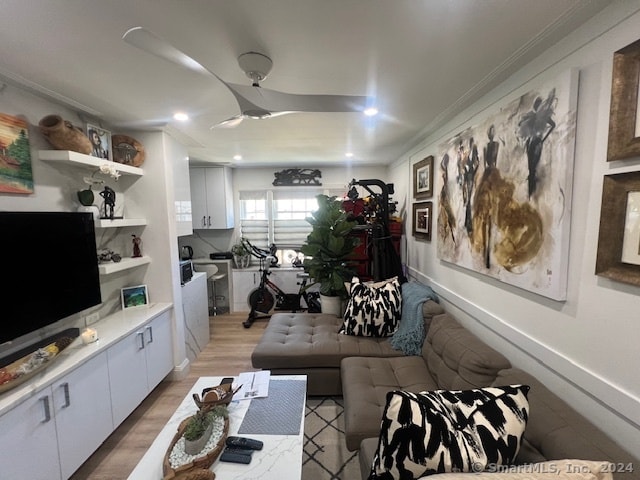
x=186 y=271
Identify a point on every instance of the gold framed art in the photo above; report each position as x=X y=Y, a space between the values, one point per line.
x=423 y=178
x=422 y=214
x=624 y=138
x=619 y=237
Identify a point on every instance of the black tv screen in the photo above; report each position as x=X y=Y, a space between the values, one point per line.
x=49 y=269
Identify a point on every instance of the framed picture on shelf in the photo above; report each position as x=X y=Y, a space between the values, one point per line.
x=100 y=141
x=422 y=213
x=618 y=256
x=136 y=296
x=423 y=178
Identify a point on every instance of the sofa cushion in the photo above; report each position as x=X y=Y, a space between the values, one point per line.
x=373 y=310
x=457 y=359
x=557 y=431
x=305 y=340
x=449 y=431
x=567 y=469
x=365 y=384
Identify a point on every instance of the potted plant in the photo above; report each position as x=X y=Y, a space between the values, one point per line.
x=326 y=251
x=197 y=432
x=241 y=254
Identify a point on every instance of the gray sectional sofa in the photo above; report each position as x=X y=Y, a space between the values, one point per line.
x=363 y=370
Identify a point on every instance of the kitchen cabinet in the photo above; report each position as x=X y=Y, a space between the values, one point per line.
x=137 y=364
x=62 y=425
x=211 y=198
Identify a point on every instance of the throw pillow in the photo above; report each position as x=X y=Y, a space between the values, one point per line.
x=449 y=431
x=373 y=310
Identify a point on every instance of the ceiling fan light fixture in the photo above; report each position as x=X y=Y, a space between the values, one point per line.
x=255 y=65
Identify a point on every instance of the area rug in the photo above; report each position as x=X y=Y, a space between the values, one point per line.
x=325 y=455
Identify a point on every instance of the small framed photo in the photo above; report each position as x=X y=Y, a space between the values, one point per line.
x=134 y=296
x=423 y=178
x=422 y=213
x=100 y=141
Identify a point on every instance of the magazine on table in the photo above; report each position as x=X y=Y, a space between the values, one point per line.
x=254 y=385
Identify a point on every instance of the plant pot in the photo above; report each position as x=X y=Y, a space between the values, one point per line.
x=193 y=447
x=242 y=261
x=331 y=305
x=63 y=135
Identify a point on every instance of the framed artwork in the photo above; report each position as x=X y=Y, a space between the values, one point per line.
x=423 y=178
x=16 y=175
x=134 y=296
x=422 y=220
x=504 y=208
x=618 y=256
x=624 y=128
x=100 y=141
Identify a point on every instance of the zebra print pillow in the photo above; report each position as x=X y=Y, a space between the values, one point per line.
x=449 y=431
x=373 y=310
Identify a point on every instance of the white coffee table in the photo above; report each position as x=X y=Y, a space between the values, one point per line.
x=281 y=456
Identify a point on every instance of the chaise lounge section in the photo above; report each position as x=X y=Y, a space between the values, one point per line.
x=310 y=344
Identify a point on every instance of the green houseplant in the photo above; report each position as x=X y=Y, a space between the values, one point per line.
x=328 y=247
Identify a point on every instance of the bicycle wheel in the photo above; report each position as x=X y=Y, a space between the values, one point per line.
x=261 y=300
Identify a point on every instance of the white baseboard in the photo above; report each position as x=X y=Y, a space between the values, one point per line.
x=180 y=372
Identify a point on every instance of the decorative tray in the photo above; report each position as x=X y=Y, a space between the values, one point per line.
x=23 y=369
x=197 y=467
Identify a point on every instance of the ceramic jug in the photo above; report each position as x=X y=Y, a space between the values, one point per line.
x=63 y=135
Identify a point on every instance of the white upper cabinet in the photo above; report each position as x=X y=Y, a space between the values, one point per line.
x=211 y=197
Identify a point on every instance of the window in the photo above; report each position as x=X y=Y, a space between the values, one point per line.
x=279 y=216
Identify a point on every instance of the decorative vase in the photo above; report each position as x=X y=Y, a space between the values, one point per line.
x=193 y=447
x=331 y=305
x=242 y=261
x=63 y=135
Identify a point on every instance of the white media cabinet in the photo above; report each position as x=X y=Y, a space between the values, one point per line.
x=51 y=424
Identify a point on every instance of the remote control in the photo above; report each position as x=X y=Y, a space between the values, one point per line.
x=244 y=443
x=233 y=457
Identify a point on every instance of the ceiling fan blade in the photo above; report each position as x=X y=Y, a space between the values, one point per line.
x=229 y=122
x=258 y=98
x=149 y=42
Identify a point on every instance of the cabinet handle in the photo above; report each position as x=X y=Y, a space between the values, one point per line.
x=67 y=397
x=47 y=411
x=140 y=335
x=204 y=221
x=209 y=221
x=150 y=330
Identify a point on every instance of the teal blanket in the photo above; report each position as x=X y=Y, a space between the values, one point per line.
x=410 y=334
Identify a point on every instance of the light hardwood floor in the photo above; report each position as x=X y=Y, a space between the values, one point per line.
x=228 y=353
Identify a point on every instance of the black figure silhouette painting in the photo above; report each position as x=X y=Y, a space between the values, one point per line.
x=505 y=201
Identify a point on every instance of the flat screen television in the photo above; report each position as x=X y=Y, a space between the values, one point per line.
x=49 y=269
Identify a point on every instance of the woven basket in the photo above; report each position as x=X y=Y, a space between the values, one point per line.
x=213 y=396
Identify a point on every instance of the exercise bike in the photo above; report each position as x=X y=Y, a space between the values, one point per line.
x=267 y=295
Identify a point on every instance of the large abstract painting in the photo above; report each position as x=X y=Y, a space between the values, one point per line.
x=504 y=206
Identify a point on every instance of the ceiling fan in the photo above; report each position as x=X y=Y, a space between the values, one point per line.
x=254 y=101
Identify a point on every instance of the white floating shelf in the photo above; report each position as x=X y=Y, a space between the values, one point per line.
x=124 y=264
x=120 y=222
x=80 y=159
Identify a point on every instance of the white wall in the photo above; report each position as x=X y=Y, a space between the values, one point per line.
x=585 y=348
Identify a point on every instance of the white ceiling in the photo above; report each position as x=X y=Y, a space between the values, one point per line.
x=421 y=60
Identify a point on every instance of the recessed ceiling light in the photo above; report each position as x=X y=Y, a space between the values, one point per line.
x=348 y=155
x=237 y=157
x=371 y=111
x=181 y=117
